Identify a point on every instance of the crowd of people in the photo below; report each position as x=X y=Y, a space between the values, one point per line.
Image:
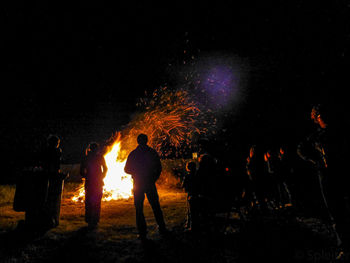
x=273 y=183
x=39 y=189
x=267 y=184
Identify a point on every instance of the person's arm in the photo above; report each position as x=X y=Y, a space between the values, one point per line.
x=158 y=166
x=83 y=170
x=128 y=165
x=300 y=153
x=104 y=167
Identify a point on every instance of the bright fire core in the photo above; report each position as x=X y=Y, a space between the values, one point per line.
x=117 y=184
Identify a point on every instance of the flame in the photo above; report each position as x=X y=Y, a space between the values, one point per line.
x=117 y=184
x=171 y=118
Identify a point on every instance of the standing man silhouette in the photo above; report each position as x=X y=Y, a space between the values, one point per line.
x=93 y=168
x=144 y=165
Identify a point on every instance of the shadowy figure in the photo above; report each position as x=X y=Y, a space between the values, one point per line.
x=258 y=181
x=271 y=180
x=321 y=150
x=144 y=165
x=203 y=190
x=283 y=170
x=250 y=184
x=51 y=160
x=39 y=189
x=187 y=184
x=279 y=195
x=93 y=168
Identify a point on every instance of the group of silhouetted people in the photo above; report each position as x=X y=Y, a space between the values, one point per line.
x=267 y=184
x=41 y=200
x=39 y=190
x=272 y=182
x=267 y=178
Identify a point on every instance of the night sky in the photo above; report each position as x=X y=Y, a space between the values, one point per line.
x=77 y=70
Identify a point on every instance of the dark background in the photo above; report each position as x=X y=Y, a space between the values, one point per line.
x=77 y=70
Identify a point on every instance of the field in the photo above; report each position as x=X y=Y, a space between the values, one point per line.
x=282 y=239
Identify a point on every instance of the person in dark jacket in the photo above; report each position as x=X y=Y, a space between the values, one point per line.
x=93 y=168
x=188 y=178
x=203 y=187
x=145 y=167
x=51 y=162
x=44 y=184
x=187 y=185
x=251 y=180
x=322 y=150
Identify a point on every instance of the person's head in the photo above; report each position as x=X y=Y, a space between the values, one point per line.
x=53 y=141
x=252 y=151
x=92 y=148
x=319 y=115
x=191 y=167
x=142 y=139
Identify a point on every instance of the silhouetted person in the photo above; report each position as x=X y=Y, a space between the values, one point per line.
x=255 y=170
x=271 y=179
x=279 y=194
x=250 y=184
x=145 y=167
x=320 y=150
x=204 y=187
x=51 y=161
x=93 y=168
x=206 y=169
x=39 y=190
x=187 y=184
x=283 y=171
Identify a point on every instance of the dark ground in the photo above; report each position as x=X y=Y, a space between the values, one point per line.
x=274 y=237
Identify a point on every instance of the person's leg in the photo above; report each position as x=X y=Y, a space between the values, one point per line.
x=139 y=197
x=194 y=209
x=188 y=218
x=96 y=208
x=88 y=205
x=153 y=199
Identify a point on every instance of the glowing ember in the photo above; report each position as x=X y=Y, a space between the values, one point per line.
x=117 y=184
x=170 y=119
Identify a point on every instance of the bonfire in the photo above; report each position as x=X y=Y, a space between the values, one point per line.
x=117 y=184
x=170 y=118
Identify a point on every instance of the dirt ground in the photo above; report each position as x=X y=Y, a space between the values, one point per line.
x=279 y=238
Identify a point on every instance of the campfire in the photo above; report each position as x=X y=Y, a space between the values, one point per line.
x=117 y=184
x=171 y=119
